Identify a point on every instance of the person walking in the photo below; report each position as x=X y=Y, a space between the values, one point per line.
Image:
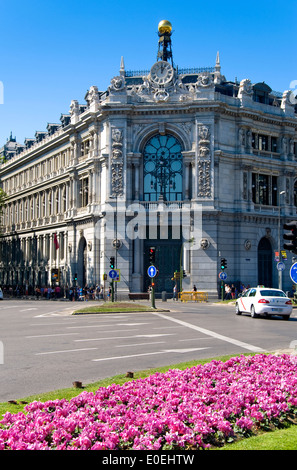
x=175 y=292
x=233 y=291
x=227 y=292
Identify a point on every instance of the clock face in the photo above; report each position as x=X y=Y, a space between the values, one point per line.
x=161 y=73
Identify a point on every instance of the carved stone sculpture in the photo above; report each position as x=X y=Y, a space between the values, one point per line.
x=117 y=162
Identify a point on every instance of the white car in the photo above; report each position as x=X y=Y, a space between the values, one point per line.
x=264 y=301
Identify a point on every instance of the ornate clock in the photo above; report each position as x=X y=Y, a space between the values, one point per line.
x=161 y=73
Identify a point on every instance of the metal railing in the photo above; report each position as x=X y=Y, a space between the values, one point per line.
x=190 y=296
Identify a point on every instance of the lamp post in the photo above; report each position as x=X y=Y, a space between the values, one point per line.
x=280 y=273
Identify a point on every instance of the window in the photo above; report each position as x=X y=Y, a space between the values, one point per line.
x=85 y=146
x=263 y=142
x=84 y=192
x=264 y=189
x=163 y=169
x=50 y=203
x=273 y=144
x=56 y=195
x=64 y=200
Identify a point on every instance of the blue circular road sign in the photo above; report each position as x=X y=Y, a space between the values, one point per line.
x=293 y=273
x=280 y=266
x=223 y=276
x=152 y=271
x=112 y=274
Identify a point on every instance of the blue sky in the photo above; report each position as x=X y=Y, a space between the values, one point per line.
x=52 y=51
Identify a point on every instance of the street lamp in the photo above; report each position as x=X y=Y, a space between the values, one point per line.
x=280 y=273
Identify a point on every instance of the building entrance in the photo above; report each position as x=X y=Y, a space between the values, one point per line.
x=82 y=263
x=167 y=262
x=265 y=263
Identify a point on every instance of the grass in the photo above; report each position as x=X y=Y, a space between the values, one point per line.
x=280 y=439
x=114 y=307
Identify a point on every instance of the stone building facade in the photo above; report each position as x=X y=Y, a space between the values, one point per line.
x=181 y=160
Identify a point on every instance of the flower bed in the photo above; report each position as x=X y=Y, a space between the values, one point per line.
x=191 y=409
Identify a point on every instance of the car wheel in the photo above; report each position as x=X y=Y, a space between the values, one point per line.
x=286 y=317
x=237 y=311
x=253 y=313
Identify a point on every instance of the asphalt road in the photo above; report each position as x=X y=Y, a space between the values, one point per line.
x=44 y=347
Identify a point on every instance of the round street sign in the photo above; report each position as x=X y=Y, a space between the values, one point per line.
x=223 y=276
x=293 y=273
x=152 y=271
x=112 y=274
x=280 y=266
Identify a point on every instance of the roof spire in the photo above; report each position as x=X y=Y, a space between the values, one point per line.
x=218 y=64
x=122 y=68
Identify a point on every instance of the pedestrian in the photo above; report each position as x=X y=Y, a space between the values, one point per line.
x=227 y=292
x=233 y=291
x=175 y=292
x=97 y=292
x=194 y=288
x=49 y=291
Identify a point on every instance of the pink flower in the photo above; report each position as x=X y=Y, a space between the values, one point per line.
x=178 y=409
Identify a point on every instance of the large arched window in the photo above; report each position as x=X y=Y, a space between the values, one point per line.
x=163 y=169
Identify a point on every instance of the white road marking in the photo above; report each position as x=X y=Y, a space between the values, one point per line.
x=250 y=347
x=123 y=337
x=54 y=313
x=165 y=351
x=27 y=309
x=182 y=351
x=195 y=339
x=45 y=336
x=92 y=326
x=166 y=327
x=138 y=344
x=65 y=351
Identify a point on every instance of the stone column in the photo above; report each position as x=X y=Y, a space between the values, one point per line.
x=136 y=165
x=187 y=180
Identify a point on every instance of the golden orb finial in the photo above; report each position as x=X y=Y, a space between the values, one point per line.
x=164 y=27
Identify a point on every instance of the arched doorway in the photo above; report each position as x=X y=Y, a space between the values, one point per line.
x=82 y=263
x=265 y=262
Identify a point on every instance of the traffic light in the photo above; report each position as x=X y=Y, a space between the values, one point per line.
x=223 y=263
x=292 y=237
x=152 y=255
x=75 y=276
x=111 y=262
x=184 y=273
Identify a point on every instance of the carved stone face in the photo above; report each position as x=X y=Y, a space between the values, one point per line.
x=117 y=83
x=117 y=153
x=204 y=243
x=247 y=244
x=116 y=135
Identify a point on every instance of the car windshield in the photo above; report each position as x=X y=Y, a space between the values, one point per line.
x=272 y=293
